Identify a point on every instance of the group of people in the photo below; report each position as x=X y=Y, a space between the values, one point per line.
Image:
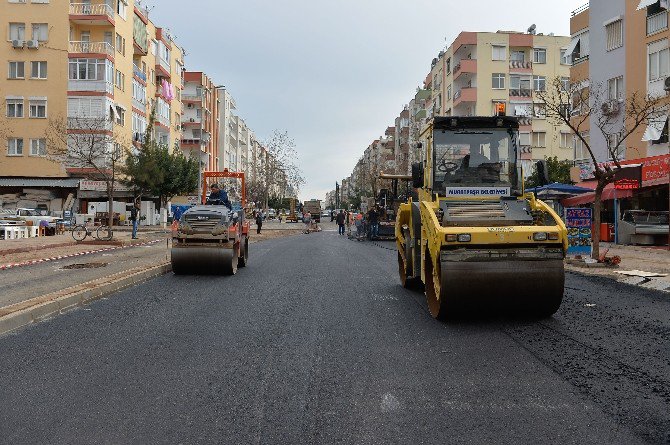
x=346 y=219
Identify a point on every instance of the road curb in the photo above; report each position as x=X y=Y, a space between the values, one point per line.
x=85 y=293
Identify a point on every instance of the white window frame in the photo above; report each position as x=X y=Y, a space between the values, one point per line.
x=34 y=106
x=15 y=104
x=614 y=34
x=537 y=52
x=565 y=140
x=523 y=137
x=498 y=77
x=40 y=32
x=658 y=64
x=540 y=111
x=516 y=52
x=539 y=83
x=121 y=116
x=13 y=73
x=539 y=139
x=17 y=31
x=14 y=148
x=615 y=90
x=580 y=148
x=41 y=145
x=39 y=64
x=498 y=53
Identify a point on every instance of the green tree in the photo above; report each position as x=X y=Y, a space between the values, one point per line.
x=559 y=171
x=156 y=170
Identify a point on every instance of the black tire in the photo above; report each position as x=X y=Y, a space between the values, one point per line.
x=407 y=283
x=104 y=233
x=244 y=254
x=435 y=298
x=79 y=232
x=230 y=268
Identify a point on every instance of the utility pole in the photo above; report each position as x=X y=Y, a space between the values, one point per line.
x=337 y=195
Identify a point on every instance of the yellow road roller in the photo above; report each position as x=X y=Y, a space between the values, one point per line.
x=474 y=239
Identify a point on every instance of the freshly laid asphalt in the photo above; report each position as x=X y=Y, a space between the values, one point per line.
x=315 y=342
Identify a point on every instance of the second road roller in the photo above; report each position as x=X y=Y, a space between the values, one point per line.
x=474 y=239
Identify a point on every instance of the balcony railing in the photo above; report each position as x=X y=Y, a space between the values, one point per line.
x=92 y=47
x=138 y=72
x=520 y=65
x=89 y=9
x=163 y=64
x=93 y=124
x=657 y=22
x=100 y=86
x=521 y=92
x=191 y=97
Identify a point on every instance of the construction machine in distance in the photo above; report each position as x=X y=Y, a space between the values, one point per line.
x=473 y=239
x=388 y=201
x=211 y=238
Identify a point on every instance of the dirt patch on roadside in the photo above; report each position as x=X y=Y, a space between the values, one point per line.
x=271 y=234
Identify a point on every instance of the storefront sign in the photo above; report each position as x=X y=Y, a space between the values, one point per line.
x=580 y=238
x=655 y=169
x=628 y=177
x=100 y=186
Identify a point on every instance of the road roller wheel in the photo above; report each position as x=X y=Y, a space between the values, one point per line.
x=244 y=254
x=230 y=265
x=407 y=283
x=437 y=304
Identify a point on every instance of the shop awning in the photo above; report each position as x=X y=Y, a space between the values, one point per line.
x=587 y=198
x=645 y=4
x=654 y=129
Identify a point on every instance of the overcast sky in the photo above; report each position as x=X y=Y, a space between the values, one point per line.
x=336 y=73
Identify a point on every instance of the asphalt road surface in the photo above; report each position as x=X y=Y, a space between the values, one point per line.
x=315 y=342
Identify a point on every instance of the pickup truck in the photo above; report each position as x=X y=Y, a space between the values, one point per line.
x=34 y=215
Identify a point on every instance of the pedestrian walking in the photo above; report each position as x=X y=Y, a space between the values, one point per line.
x=135 y=218
x=259 y=222
x=360 y=226
x=340 y=219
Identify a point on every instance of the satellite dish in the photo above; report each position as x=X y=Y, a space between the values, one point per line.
x=532 y=29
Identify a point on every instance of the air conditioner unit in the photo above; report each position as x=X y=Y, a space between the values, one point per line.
x=17 y=43
x=610 y=108
x=33 y=44
x=667 y=84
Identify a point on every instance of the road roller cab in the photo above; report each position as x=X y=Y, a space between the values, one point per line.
x=473 y=238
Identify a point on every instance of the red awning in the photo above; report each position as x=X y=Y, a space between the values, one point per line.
x=587 y=198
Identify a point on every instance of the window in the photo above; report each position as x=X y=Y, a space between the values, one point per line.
x=121 y=7
x=41 y=32
x=540 y=139
x=16 y=70
x=539 y=83
x=498 y=81
x=539 y=55
x=17 y=31
x=449 y=92
x=109 y=38
x=614 y=33
x=38 y=108
x=497 y=106
x=540 y=111
x=448 y=65
x=15 y=147
x=524 y=139
x=565 y=83
x=615 y=89
x=518 y=56
x=659 y=64
x=566 y=139
x=120 y=43
x=38 y=147
x=154 y=48
x=523 y=110
x=90 y=69
x=498 y=52
x=564 y=60
x=581 y=152
x=85 y=36
x=15 y=108
x=120 y=80
x=120 y=116
x=39 y=70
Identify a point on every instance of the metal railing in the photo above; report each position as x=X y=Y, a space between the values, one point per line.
x=163 y=63
x=521 y=92
x=92 y=47
x=657 y=22
x=579 y=10
x=89 y=9
x=138 y=72
x=520 y=64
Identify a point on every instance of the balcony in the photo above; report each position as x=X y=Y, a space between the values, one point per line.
x=162 y=67
x=520 y=66
x=92 y=124
x=88 y=14
x=520 y=92
x=87 y=48
x=98 y=86
x=657 y=22
x=467 y=66
x=192 y=98
x=467 y=94
x=192 y=122
x=137 y=72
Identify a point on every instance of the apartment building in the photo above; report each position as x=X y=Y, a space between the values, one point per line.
x=200 y=119
x=479 y=70
x=401 y=142
x=103 y=61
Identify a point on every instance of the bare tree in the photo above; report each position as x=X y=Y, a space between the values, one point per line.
x=89 y=145
x=581 y=104
x=277 y=172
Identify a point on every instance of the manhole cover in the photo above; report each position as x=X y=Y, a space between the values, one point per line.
x=85 y=266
